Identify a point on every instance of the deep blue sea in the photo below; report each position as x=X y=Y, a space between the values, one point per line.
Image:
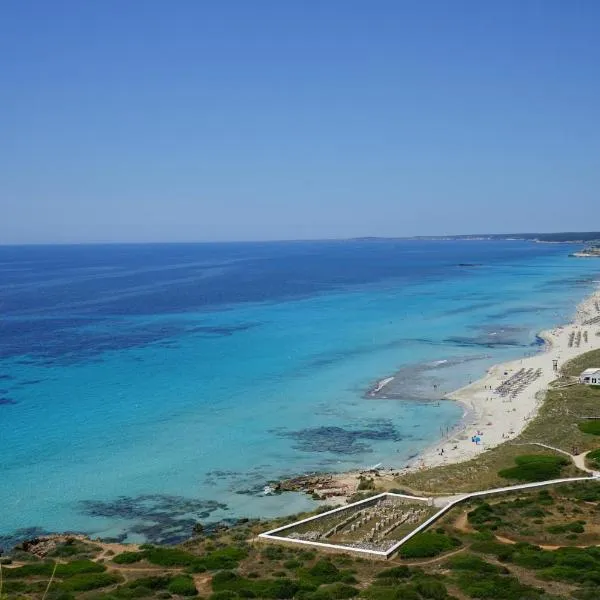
x=144 y=387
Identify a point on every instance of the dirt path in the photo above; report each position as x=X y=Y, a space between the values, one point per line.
x=462 y=523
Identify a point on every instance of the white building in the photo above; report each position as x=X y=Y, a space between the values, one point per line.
x=590 y=377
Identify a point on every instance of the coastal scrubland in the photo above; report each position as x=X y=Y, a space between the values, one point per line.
x=531 y=545
x=534 y=545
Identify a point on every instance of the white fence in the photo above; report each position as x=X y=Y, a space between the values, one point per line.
x=272 y=534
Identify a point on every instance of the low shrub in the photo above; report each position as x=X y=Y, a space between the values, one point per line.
x=365 y=483
x=273 y=552
x=334 y=591
x=592 y=427
x=76 y=567
x=574 y=527
x=223 y=595
x=593 y=458
x=427 y=544
x=169 y=557
x=224 y=558
x=89 y=581
x=502 y=552
x=470 y=562
x=431 y=589
x=42 y=569
x=127 y=558
x=401 y=572
x=182 y=585
x=535 y=467
x=496 y=587
x=484 y=516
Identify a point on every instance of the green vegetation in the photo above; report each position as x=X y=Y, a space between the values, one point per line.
x=591 y=427
x=535 y=467
x=499 y=549
x=427 y=544
x=90 y=581
x=224 y=558
x=365 y=483
x=565 y=515
x=182 y=586
x=575 y=366
x=593 y=459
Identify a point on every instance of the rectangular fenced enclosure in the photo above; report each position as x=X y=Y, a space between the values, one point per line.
x=372 y=526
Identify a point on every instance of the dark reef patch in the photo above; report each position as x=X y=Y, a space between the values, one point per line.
x=563 y=282
x=493 y=336
x=6 y=401
x=327 y=359
x=161 y=519
x=31 y=381
x=509 y=312
x=223 y=330
x=339 y=440
x=50 y=341
x=469 y=308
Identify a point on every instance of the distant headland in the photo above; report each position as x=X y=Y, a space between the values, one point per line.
x=565 y=237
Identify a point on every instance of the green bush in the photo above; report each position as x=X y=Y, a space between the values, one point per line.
x=223 y=595
x=76 y=567
x=334 y=591
x=399 y=592
x=534 y=513
x=535 y=467
x=574 y=527
x=169 y=557
x=401 y=572
x=470 y=562
x=483 y=516
x=273 y=552
x=89 y=581
x=42 y=569
x=427 y=544
x=431 y=589
x=496 y=587
x=593 y=458
x=158 y=582
x=254 y=588
x=323 y=571
x=225 y=558
x=365 y=483
x=182 y=585
x=592 y=427
x=127 y=558
x=13 y=586
x=502 y=552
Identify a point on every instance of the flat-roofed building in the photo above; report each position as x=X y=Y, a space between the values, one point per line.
x=590 y=376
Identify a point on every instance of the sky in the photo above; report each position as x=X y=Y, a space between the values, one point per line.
x=206 y=120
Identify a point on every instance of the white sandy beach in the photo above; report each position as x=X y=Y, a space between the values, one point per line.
x=500 y=418
x=494 y=417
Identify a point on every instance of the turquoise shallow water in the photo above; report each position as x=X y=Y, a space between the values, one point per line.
x=146 y=387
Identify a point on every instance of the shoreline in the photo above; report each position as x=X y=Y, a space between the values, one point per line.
x=500 y=418
x=496 y=417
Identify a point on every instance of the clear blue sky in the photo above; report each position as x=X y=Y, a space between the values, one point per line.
x=199 y=120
